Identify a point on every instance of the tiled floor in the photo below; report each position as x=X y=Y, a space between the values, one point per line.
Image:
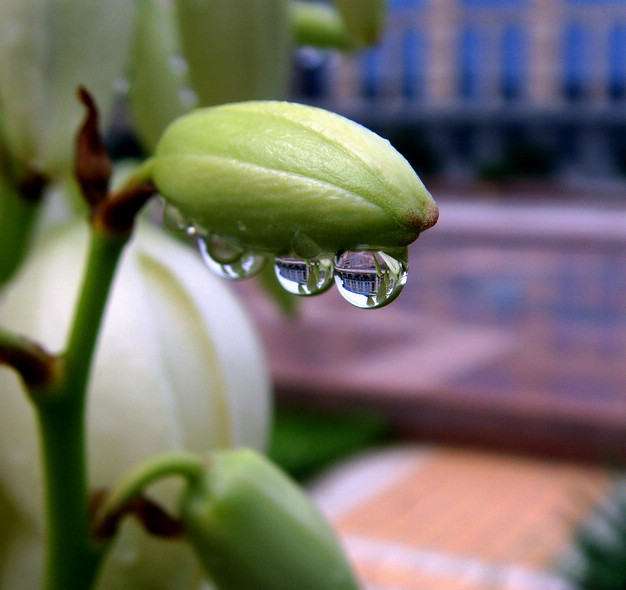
x=511 y=331
x=437 y=518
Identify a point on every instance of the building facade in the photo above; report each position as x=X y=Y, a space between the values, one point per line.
x=473 y=77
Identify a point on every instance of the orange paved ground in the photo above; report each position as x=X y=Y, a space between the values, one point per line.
x=449 y=519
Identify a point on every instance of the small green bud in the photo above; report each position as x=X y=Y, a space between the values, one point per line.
x=364 y=19
x=282 y=177
x=253 y=528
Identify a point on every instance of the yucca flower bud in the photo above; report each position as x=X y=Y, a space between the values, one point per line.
x=178 y=367
x=323 y=195
x=47 y=49
x=253 y=528
x=282 y=177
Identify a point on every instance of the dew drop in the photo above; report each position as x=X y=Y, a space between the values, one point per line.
x=304 y=277
x=175 y=221
x=228 y=260
x=369 y=279
x=221 y=249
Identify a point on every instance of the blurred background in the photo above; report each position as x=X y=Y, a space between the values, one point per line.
x=512 y=328
x=505 y=356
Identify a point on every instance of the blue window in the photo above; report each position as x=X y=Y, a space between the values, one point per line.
x=404 y=3
x=575 y=65
x=371 y=82
x=488 y=3
x=514 y=60
x=413 y=50
x=617 y=62
x=472 y=64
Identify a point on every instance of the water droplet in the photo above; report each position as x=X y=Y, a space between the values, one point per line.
x=188 y=98
x=228 y=260
x=178 y=64
x=369 y=279
x=221 y=248
x=175 y=221
x=304 y=277
x=121 y=86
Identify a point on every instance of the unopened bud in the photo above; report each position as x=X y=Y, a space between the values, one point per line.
x=364 y=19
x=281 y=177
x=253 y=528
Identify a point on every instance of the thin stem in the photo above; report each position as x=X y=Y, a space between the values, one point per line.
x=104 y=252
x=191 y=467
x=72 y=559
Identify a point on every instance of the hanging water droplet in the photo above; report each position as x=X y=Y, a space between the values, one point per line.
x=175 y=221
x=221 y=249
x=228 y=260
x=304 y=277
x=369 y=279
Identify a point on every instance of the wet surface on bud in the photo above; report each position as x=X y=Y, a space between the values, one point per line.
x=267 y=179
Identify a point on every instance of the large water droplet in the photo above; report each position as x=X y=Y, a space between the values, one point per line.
x=175 y=221
x=304 y=277
x=228 y=260
x=369 y=279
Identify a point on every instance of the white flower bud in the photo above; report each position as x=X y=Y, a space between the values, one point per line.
x=178 y=366
x=47 y=49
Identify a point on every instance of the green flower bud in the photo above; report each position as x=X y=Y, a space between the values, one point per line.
x=364 y=19
x=282 y=177
x=252 y=527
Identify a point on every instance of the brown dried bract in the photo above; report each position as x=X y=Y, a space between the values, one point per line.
x=92 y=165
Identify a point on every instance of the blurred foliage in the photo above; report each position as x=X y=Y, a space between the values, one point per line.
x=600 y=546
x=521 y=159
x=411 y=144
x=306 y=441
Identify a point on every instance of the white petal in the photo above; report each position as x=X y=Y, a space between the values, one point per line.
x=178 y=365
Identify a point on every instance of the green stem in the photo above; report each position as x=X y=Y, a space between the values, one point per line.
x=175 y=463
x=17 y=217
x=72 y=560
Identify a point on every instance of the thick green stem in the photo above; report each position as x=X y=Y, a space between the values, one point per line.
x=72 y=559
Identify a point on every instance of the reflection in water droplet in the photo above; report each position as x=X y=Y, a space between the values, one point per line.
x=304 y=277
x=369 y=279
x=228 y=260
x=221 y=248
x=175 y=221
